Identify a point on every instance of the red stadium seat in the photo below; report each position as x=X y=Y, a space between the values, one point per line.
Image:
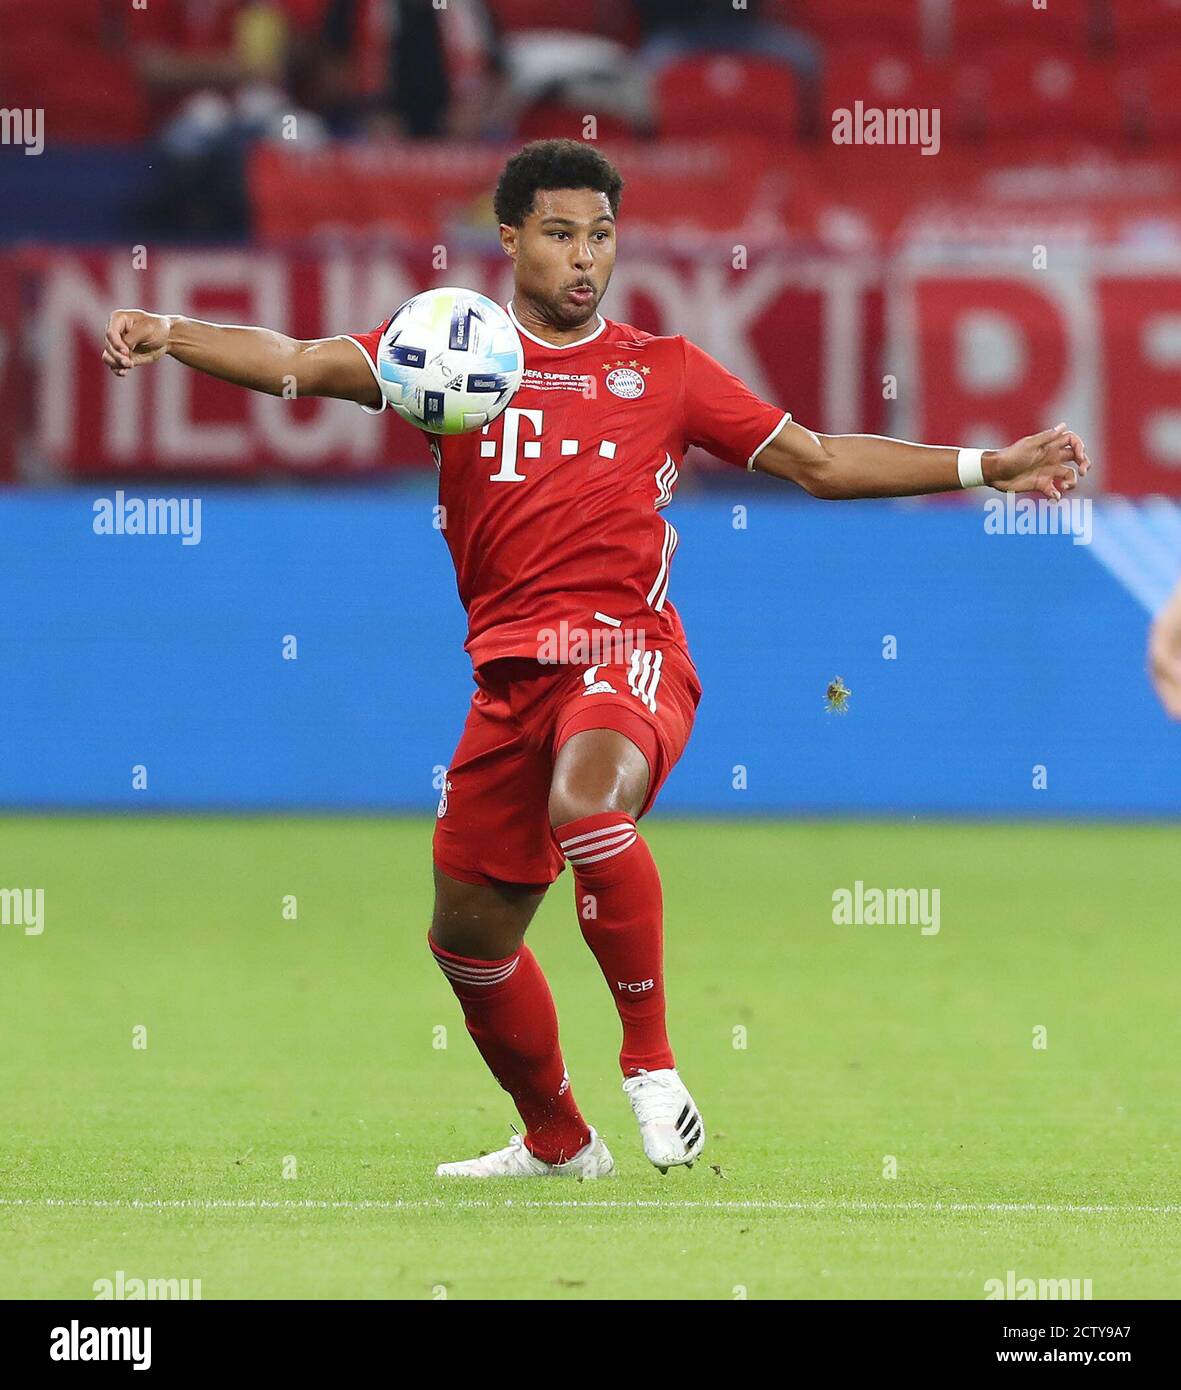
x=87 y=94
x=726 y=94
x=1019 y=89
x=1063 y=23
x=550 y=120
x=66 y=58
x=881 y=76
x=73 y=22
x=1140 y=25
x=839 y=22
x=1152 y=93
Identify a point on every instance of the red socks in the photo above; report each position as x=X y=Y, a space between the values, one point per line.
x=621 y=912
x=510 y=1014
x=508 y=1006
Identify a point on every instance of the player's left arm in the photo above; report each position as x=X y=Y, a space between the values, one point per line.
x=840 y=466
x=1164 y=654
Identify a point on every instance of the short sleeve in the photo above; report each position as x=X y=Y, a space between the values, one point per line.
x=722 y=414
x=368 y=344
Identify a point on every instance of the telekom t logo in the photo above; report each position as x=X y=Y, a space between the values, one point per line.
x=514 y=447
x=530 y=448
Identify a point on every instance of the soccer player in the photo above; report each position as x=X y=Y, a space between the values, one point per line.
x=1164 y=654
x=585 y=690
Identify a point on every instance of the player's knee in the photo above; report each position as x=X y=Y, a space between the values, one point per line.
x=571 y=803
x=597 y=772
x=457 y=928
x=481 y=923
x=475 y=939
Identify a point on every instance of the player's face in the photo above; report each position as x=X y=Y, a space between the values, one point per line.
x=563 y=254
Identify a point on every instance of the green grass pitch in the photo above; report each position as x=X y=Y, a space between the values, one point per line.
x=313 y=1043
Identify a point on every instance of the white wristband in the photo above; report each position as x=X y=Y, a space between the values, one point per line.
x=970 y=465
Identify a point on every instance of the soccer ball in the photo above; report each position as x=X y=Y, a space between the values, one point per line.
x=450 y=361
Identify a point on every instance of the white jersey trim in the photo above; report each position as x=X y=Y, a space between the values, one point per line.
x=659 y=591
x=644 y=676
x=750 y=463
x=554 y=347
x=666 y=480
x=368 y=409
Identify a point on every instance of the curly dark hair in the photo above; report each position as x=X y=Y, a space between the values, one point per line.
x=553 y=164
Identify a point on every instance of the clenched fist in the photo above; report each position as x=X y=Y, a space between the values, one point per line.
x=135 y=338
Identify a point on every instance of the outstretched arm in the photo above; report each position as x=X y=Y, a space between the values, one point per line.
x=843 y=466
x=1164 y=654
x=254 y=357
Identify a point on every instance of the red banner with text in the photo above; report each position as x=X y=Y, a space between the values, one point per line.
x=938 y=352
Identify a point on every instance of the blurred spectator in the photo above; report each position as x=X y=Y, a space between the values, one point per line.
x=405 y=67
x=474 y=68
x=676 y=28
x=217 y=74
x=671 y=27
x=564 y=64
x=609 y=19
x=190 y=46
x=557 y=79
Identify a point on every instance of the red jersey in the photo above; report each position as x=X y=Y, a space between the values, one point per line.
x=553 y=512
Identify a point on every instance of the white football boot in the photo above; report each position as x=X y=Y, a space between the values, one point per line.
x=515 y=1161
x=670 y=1123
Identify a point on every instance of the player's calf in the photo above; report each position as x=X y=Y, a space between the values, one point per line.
x=508 y=1008
x=620 y=912
x=598 y=787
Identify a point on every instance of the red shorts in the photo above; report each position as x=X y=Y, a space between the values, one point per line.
x=493 y=820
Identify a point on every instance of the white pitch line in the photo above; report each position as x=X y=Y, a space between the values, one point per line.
x=658 y=1204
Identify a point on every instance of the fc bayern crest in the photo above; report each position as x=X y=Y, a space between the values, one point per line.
x=625 y=382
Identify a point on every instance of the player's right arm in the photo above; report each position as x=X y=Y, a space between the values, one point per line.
x=257 y=358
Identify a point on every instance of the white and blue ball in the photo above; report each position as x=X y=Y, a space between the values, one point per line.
x=450 y=360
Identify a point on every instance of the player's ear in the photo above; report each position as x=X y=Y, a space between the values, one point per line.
x=508 y=239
